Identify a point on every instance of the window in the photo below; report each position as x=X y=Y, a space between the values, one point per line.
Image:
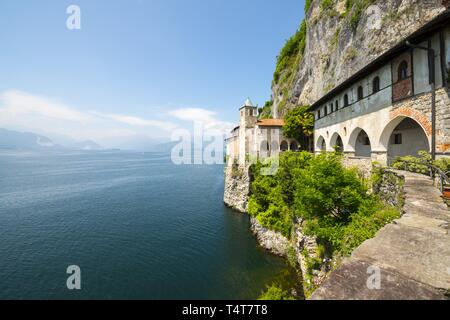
x=376 y=85
x=336 y=105
x=346 y=100
x=360 y=93
x=403 y=70
x=398 y=138
x=318 y=114
x=332 y=108
x=326 y=110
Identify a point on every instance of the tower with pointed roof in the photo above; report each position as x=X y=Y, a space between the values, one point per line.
x=248 y=114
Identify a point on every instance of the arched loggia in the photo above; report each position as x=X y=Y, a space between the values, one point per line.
x=404 y=136
x=360 y=142
x=321 y=144
x=337 y=143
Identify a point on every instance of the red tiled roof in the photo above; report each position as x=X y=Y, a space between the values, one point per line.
x=271 y=123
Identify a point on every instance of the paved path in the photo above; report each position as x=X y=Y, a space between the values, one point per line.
x=413 y=253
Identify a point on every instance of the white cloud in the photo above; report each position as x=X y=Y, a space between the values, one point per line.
x=23 y=111
x=207 y=117
x=139 y=122
x=17 y=104
x=26 y=112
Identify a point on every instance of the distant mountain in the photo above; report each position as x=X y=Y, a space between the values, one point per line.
x=25 y=140
x=88 y=145
x=14 y=140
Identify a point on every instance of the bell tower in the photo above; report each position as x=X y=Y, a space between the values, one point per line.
x=249 y=117
x=249 y=114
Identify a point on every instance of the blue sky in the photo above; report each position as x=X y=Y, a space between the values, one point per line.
x=137 y=63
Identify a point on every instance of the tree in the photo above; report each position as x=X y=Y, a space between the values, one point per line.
x=299 y=125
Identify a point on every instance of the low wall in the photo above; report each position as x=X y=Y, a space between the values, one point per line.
x=389 y=186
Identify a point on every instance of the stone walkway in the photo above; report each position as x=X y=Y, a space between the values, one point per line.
x=413 y=253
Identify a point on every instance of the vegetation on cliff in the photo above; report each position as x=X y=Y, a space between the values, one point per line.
x=333 y=201
x=289 y=61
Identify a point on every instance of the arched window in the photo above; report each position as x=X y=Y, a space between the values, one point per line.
x=403 y=70
x=346 y=100
x=294 y=146
x=376 y=85
x=326 y=110
x=336 y=105
x=360 y=93
x=331 y=107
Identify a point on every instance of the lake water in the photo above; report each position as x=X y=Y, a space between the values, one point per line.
x=138 y=226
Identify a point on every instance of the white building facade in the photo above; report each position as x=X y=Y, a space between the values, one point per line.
x=257 y=139
x=385 y=110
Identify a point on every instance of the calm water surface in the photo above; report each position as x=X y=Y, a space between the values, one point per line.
x=138 y=226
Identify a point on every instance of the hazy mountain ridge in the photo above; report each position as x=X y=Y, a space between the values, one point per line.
x=15 y=140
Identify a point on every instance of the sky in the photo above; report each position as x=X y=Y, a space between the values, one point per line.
x=137 y=68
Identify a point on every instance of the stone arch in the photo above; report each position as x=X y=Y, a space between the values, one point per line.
x=397 y=117
x=321 y=144
x=294 y=146
x=284 y=146
x=360 y=143
x=336 y=141
x=404 y=136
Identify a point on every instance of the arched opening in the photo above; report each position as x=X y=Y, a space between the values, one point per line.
x=360 y=141
x=294 y=146
x=360 y=93
x=346 y=102
x=403 y=70
x=376 y=85
x=337 y=143
x=284 y=146
x=336 y=105
x=404 y=137
x=321 y=144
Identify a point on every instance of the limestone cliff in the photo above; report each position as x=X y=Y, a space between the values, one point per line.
x=338 y=38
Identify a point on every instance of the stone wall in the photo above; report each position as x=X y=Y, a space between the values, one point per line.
x=389 y=186
x=419 y=109
x=364 y=165
x=237 y=187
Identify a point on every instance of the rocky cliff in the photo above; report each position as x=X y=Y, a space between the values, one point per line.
x=237 y=187
x=338 y=38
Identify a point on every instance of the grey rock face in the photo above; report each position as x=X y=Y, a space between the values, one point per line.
x=237 y=188
x=335 y=51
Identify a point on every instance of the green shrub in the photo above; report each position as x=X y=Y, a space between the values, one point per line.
x=299 y=122
x=275 y=293
x=443 y=164
x=354 y=10
x=326 y=5
x=293 y=47
x=266 y=111
x=307 y=5
x=370 y=218
x=333 y=201
x=418 y=164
